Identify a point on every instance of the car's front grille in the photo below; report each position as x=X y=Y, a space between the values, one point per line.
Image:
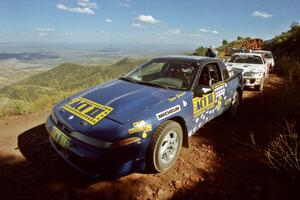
x=63 y=127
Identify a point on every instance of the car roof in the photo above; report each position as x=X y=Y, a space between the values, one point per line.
x=186 y=58
x=249 y=54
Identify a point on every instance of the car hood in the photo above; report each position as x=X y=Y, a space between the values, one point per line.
x=126 y=99
x=247 y=67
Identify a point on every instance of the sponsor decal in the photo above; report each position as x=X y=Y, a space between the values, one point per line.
x=228 y=102
x=140 y=126
x=202 y=104
x=179 y=95
x=169 y=112
x=219 y=104
x=60 y=137
x=87 y=110
x=207 y=102
x=184 y=103
x=219 y=90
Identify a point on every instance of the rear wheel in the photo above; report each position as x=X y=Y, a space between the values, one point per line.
x=234 y=104
x=271 y=69
x=165 y=146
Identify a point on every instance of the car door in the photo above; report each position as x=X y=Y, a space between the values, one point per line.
x=229 y=84
x=208 y=103
x=218 y=87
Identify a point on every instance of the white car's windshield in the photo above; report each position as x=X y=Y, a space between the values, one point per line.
x=164 y=73
x=251 y=59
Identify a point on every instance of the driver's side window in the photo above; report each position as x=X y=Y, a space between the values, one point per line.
x=204 y=77
x=210 y=75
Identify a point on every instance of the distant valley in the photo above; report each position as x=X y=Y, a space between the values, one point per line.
x=27 y=56
x=21 y=60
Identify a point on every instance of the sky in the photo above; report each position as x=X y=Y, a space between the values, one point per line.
x=186 y=22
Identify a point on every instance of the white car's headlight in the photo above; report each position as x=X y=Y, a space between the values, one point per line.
x=254 y=74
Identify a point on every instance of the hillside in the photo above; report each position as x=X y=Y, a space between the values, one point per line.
x=233 y=44
x=46 y=88
x=221 y=49
x=286 y=51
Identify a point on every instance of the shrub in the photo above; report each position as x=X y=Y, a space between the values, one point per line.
x=284 y=152
x=200 y=51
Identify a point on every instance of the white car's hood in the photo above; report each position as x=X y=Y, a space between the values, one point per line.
x=247 y=67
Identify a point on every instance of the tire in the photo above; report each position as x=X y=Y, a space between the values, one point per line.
x=233 y=109
x=164 y=147
x=260 y=87
x=271 y=70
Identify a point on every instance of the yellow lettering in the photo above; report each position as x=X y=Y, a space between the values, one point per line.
x=81 y=108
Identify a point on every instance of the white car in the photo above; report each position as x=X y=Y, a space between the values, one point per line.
x=268 y=56
x=255 y=69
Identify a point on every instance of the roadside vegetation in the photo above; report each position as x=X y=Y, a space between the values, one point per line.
x=47 y=88
x=283 y=153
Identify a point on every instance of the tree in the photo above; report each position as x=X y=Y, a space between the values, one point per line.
x=225 y=42
x=200 y=51
x=239 y=38
x=295 y=25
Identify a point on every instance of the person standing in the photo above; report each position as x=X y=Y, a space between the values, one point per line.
x=211 y=52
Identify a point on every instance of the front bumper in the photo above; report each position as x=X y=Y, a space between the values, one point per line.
x=250 y=82
x=95 y=162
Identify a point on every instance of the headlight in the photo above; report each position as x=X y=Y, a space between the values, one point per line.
x=254 y=74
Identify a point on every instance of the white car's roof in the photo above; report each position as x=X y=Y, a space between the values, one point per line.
x=248 y=54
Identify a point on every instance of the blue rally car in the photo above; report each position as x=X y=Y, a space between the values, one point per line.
x=144 y=118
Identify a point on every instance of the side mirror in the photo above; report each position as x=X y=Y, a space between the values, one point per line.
x=202 y=90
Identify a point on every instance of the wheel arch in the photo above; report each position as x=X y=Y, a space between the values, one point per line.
x=181 y=121
x=240 y=92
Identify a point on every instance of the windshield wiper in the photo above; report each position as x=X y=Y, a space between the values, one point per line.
x=129 y=80
x=154 y=84
x=144 y=83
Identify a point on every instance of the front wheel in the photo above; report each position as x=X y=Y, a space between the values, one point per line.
x=165 y=146
x=260 y=87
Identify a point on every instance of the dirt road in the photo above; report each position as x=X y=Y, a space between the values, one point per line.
x=223 y=161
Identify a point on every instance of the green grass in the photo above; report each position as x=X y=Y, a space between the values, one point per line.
x=47 y=88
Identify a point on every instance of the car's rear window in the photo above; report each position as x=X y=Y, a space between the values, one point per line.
x=251 y=59
x=268 y=55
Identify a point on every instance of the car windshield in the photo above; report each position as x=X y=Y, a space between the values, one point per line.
x=164 y=73
x=251 y=59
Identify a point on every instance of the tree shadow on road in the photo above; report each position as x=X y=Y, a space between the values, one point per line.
x=43 y=171
x=45 y=175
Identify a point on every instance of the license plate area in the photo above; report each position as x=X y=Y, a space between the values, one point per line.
x=60 y=138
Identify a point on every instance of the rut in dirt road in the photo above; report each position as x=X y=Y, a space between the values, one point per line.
x=220 y=163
